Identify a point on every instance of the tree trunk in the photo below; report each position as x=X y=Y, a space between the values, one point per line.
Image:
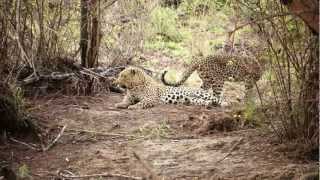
x=307 y=10
x=84 y=33
x=90 y=33
x=94 y=35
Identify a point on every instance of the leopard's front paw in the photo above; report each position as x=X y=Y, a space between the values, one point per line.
x=121 y=106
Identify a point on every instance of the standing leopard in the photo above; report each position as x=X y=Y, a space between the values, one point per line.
x=144 y=92
x=214 y=70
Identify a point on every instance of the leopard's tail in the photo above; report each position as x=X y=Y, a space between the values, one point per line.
x=186 y=74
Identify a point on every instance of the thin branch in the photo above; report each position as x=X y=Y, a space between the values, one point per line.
x=109 y=4
x=152 y=175
x=101 y=133
x=99 y=175
x=25 y=144
x=17 y=38
x=231 y=150
x=261 y=19
x=55 y=140
x=92 y=73
x=100 y=72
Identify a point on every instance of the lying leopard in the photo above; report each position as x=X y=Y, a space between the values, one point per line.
x=214 y=70
x=144 y=92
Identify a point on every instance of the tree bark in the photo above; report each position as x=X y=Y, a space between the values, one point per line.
x=94 y=35
x=90 y=33
x=84 y=36
x=307 y=10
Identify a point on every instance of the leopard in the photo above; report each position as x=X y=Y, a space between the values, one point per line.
x=214 y=70
x=143 y=91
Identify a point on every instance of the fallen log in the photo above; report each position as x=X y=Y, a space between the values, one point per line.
x=94 y=72
x=80 y=81
x=99 y=72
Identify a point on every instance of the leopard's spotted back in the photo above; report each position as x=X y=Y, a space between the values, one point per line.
x=214 y=70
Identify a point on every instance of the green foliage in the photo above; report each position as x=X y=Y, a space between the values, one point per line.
x=164 y=24
x=181 y=33
x=249 y=111
x=201 y=7
x=172 y=48
x=24 y=172
x=252 y=115
x=18 y=97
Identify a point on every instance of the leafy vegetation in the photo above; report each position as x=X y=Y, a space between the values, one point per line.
x=164 y=24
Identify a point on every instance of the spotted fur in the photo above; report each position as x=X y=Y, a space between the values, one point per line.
x=144 y=92
x=216 y=69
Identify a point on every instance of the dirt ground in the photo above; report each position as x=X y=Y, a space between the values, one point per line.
x=164 y=142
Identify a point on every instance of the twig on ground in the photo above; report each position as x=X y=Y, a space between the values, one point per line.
x=55 y=140
x=25 y=144
x=152 y=175
x=69 y=172
x=231 y=150
x=181 y=137
x=99 y=175
x=101 y=133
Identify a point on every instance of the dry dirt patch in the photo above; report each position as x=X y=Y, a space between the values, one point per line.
x=161 y=142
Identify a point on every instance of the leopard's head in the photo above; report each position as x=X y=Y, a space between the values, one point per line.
x=131 y=77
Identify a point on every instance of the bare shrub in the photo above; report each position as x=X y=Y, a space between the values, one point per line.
x=294 y=63
x=124 y=31
x=42 y=36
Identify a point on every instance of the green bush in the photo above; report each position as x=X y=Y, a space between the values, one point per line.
x=252 y=113
x=201 y=7
x=164 y=24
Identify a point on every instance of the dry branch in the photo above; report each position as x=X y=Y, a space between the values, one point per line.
x=109 y=4
x=100 y=72
x=99 y=175
x=231 y=150
x=55 y=140
x=152 y=175
x=230 y=33
x=25 y=144
x=101 y=133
